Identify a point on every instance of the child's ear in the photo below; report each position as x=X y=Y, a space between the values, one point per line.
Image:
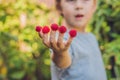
x=60 y=12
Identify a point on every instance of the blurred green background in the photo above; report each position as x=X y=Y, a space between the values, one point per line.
x=22 y=54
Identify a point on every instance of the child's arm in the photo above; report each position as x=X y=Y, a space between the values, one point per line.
x=60 y=56
x=62 y=60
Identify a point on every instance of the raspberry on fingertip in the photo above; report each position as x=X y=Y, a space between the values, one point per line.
x=38 y=28
x=62 y=29
x=46 y=29
x=72 y=33
x=54 y=27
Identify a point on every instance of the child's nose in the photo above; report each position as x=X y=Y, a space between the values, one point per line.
x=78 y=5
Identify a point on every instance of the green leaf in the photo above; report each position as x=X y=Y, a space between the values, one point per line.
x=17 y=75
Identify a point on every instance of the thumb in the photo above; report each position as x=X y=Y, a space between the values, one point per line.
x=69 y=42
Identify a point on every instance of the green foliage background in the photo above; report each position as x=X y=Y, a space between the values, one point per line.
x=22 y=54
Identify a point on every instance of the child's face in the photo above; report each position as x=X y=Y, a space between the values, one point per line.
x=77 y=13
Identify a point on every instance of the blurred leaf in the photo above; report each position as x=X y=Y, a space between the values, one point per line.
x=17 y=75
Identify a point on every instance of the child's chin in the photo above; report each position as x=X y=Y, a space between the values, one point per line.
x=79 y=25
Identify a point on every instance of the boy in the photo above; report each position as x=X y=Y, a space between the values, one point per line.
x=78 y=58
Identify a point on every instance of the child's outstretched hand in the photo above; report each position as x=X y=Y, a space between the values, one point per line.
x=58 y=46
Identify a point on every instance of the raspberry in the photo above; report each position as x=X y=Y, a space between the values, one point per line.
x=45 y=29
x=62 y=29
x=54 y=27
x=38 y=28
x=72 y=33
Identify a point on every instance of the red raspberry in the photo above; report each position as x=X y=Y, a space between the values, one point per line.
x=45 y=29
x=38 y=28
x=54 y=27
x=72 y=33
x=62 y=29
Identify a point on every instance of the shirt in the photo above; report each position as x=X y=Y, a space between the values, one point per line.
x=87 y=63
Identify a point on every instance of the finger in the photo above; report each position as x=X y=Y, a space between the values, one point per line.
x=46 y=40
x=60 y=40
x=53 y=43
x=40 y=34
x=69 y=42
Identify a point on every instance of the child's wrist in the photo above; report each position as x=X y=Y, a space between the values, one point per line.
x=60 y=52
